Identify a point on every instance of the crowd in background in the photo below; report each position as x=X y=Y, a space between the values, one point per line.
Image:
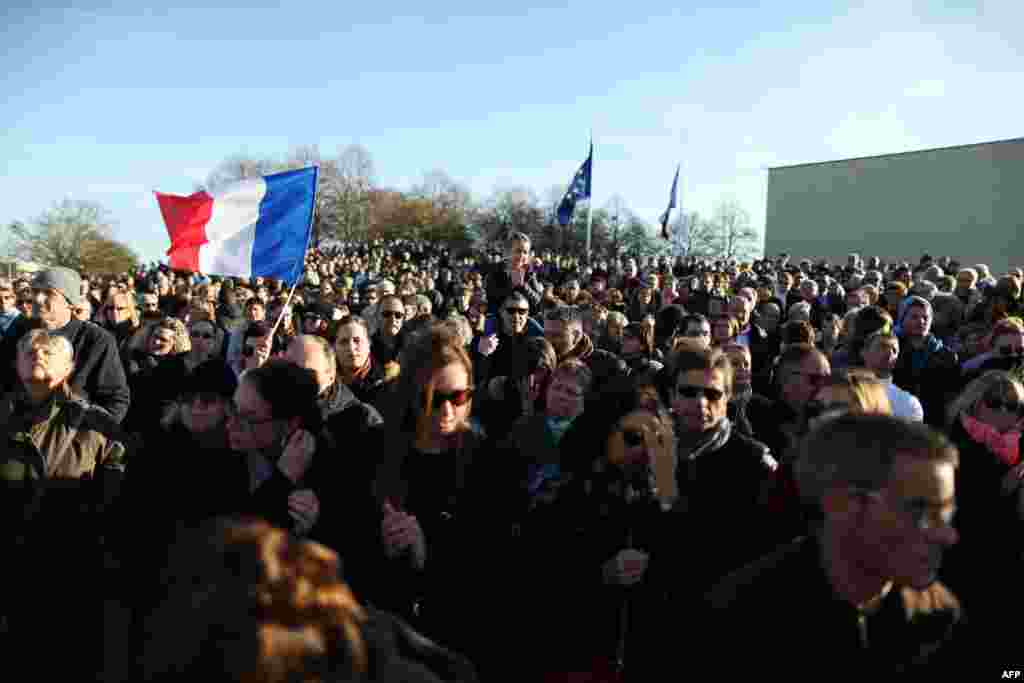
x=507 y=465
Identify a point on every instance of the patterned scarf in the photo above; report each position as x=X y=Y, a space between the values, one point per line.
x=1003 y=445
x=359 y=374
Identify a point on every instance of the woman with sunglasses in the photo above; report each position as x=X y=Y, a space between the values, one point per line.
x=638 y=347
x=609 y=542
x=985 y=423
x=442 y=503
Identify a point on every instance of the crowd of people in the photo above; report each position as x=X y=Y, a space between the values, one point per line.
x=417 y=465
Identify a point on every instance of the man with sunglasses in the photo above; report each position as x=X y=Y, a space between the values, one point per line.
x=387 y=342
x=720 y=473
x=861 y=592
x=800 y=371
x=499 y=350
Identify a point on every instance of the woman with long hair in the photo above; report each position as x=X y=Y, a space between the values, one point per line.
x=608 y=533
x=638 y=347
x=985 y=423
x=443 y=504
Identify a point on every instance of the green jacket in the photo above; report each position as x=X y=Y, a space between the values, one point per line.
x=66 y=451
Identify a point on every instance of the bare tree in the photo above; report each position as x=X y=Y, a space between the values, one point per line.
x=618 y=216
x=732 y=222
x=692 y=235
x=346 y=195
x=235 y=168
x=73 y=234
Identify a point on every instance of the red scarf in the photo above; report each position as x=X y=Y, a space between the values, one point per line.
x=1003 y=445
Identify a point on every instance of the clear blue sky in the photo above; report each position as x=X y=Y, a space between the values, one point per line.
x=110 y=103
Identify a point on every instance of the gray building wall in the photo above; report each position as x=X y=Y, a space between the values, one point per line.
x=966 y=202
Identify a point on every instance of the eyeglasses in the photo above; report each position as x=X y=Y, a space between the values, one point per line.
x=517 y=311
x=456 y=398
x=923 y=514
x=1010 y=407
x=710 y=393
x=397 y=315
x=200 y=335
x=244 y=421
x=703 y=332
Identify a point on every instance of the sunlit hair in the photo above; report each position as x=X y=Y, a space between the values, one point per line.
x=1012 y=325
x=517 y=237
x=182 y=341
x=129 y=302
x=246 y=602
x=993 y=384
x=432 y=349
x=54 y=343
x=867 y=394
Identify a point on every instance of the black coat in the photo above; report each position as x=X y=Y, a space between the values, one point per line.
x=723 y=493
x=936 y=383
x=580 y=620
x=991 y=532
x=463 y=500
x=785 y=598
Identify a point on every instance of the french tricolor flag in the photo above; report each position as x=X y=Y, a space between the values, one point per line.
x=256 y=227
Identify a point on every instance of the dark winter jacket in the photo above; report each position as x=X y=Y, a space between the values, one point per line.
x=785 y=598
x=931 y=373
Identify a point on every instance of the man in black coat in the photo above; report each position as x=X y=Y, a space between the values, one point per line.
x=514 y=275
x=861 y=592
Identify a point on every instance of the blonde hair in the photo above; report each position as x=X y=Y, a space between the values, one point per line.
x=993 y=384
x=869 y=395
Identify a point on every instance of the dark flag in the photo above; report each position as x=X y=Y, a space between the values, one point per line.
x=579 y=188
x=671 y=205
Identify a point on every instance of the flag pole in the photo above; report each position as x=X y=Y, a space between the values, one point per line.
x=590 y=199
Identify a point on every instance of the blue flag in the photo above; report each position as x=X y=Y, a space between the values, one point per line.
x=579 y=188
x=671 y=205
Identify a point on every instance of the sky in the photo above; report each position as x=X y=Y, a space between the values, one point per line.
x=112 y=102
